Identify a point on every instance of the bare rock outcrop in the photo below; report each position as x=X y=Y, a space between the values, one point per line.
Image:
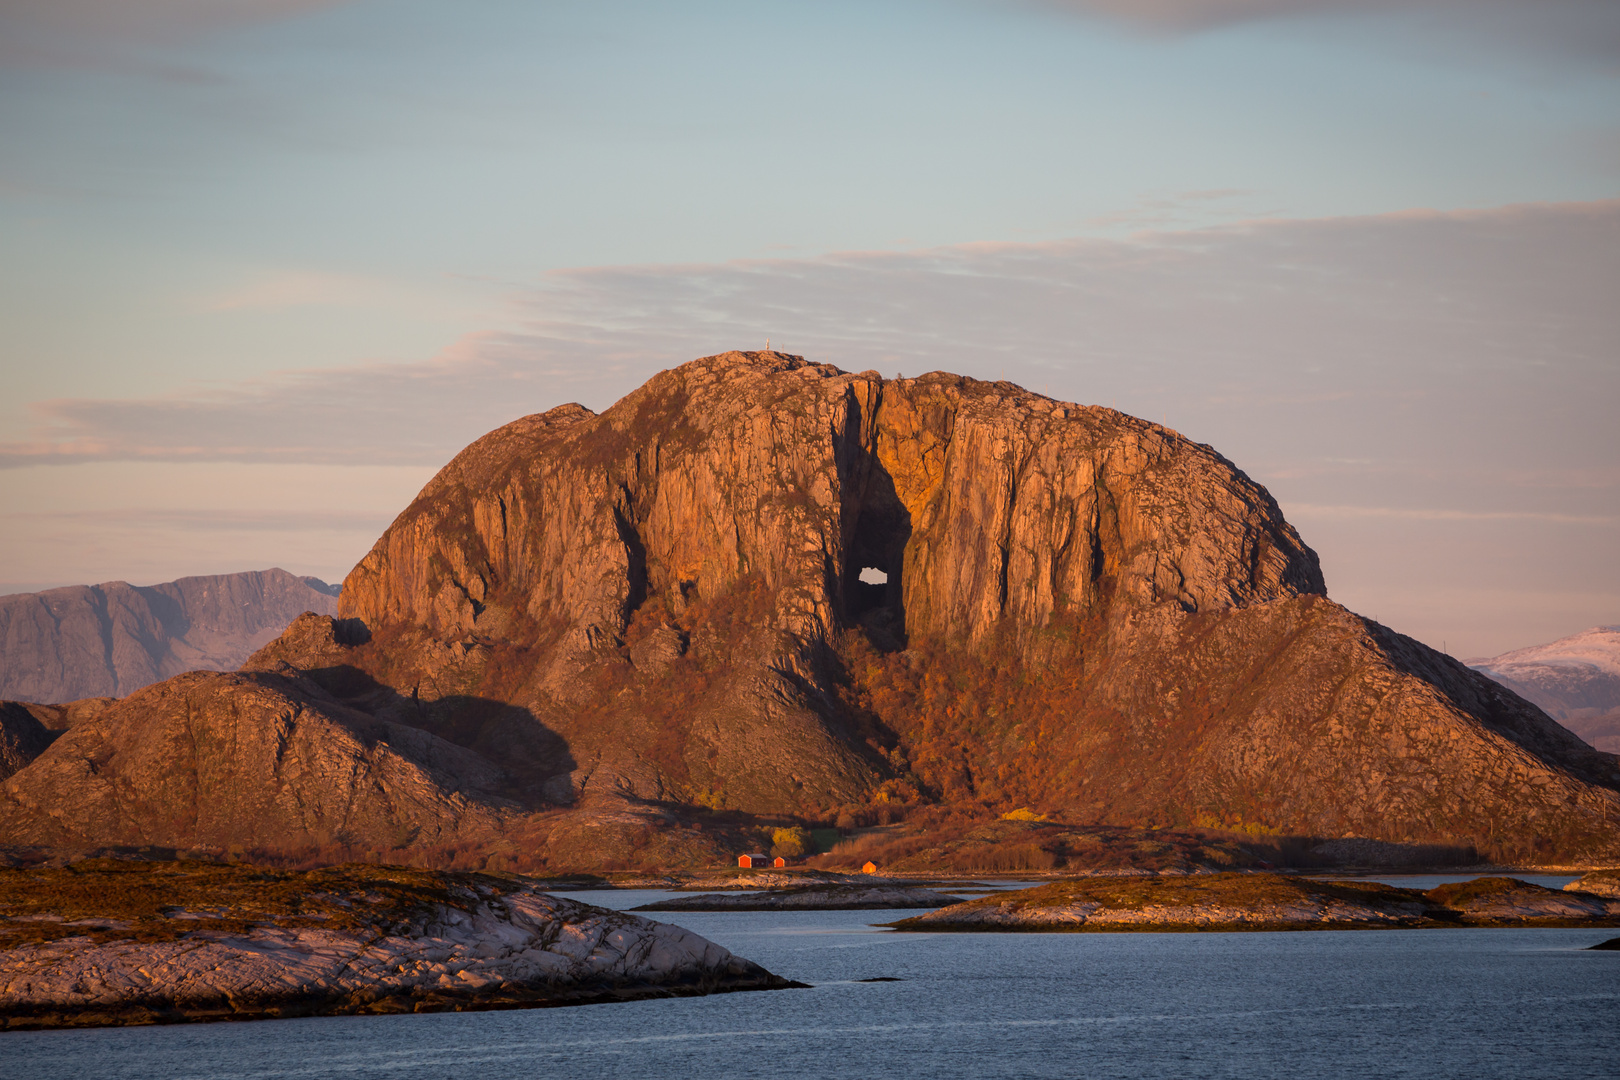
x=87 y=641
x=349 y=940
x=809 y=898
x=1266 y=902
x=673 y=604
x=1604 y=883
x=1082 y=610
x=721 y=516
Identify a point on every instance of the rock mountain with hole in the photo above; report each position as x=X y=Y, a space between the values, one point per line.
x=602 y=621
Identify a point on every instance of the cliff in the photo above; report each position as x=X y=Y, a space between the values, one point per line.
x=107 y=943
x=669 y=607
x=110 y=639
x=664 y=589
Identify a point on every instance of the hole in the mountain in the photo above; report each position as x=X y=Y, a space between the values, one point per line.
x=876 y=529
x=873 y=593
x=871 y=589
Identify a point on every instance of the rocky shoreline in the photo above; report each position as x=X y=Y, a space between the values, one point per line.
x=810 y=898
x=1267 y=902
x=123 y=944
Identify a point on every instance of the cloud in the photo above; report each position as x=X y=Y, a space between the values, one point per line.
x=1422 y=514
x=200 y=520
x=289 y=289
x=1431 y=393
x=1339 y=332
x=1188 y=15
x=148 y=19
x=74 y=32
x=1586 y=29
x=368 y=414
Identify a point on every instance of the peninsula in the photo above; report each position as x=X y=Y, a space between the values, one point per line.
x=111 y=942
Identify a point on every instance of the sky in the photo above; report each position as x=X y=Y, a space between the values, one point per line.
x=265 y=265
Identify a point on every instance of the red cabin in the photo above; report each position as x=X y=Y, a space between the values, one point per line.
x=753 y=862
x=779 y=861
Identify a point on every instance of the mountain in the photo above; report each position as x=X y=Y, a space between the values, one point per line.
x=1575 y=679
x=110 y=639
x=758 y=588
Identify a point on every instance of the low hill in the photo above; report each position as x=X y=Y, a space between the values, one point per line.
x=107 y=640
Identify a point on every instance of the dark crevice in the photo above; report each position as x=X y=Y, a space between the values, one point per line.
x=1001 y=579
x=636 y=556
x=877 y=527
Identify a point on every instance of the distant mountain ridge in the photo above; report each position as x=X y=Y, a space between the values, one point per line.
x=1576 y=680
x=111 y=639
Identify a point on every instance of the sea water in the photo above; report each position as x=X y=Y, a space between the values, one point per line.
x=1465 y=1003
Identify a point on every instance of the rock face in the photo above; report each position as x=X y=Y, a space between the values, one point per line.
x=1575 y=679
x=1266 y=902
x=352 y=940
x=111 y=639
x=663 y=606
x=677 y=572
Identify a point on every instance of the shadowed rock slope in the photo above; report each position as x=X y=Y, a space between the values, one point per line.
x=110 y=639
x=248 y=761
x=663 y=606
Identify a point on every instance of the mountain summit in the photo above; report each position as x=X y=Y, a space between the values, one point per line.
x=774 y=587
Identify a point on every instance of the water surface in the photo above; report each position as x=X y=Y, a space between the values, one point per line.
x=1370 y=1003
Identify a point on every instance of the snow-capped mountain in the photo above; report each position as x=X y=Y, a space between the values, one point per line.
x=1575 y=679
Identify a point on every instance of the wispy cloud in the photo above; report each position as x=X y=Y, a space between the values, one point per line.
x=124 y=520
x=1431 y=395
x=1588 y=29
x=1291 y=320
x=289 y=289
x=1406 y=513
x=1188 y=208
x=78 y=32
x=1186 y=15
x=368 y=414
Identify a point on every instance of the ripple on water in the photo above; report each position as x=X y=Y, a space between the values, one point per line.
x=1431 y=1004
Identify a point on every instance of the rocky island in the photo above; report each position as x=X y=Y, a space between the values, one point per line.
x=1604 y=883
x=1267 y=902
x=106 y=942
x=759 y=591
x=853 y=897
